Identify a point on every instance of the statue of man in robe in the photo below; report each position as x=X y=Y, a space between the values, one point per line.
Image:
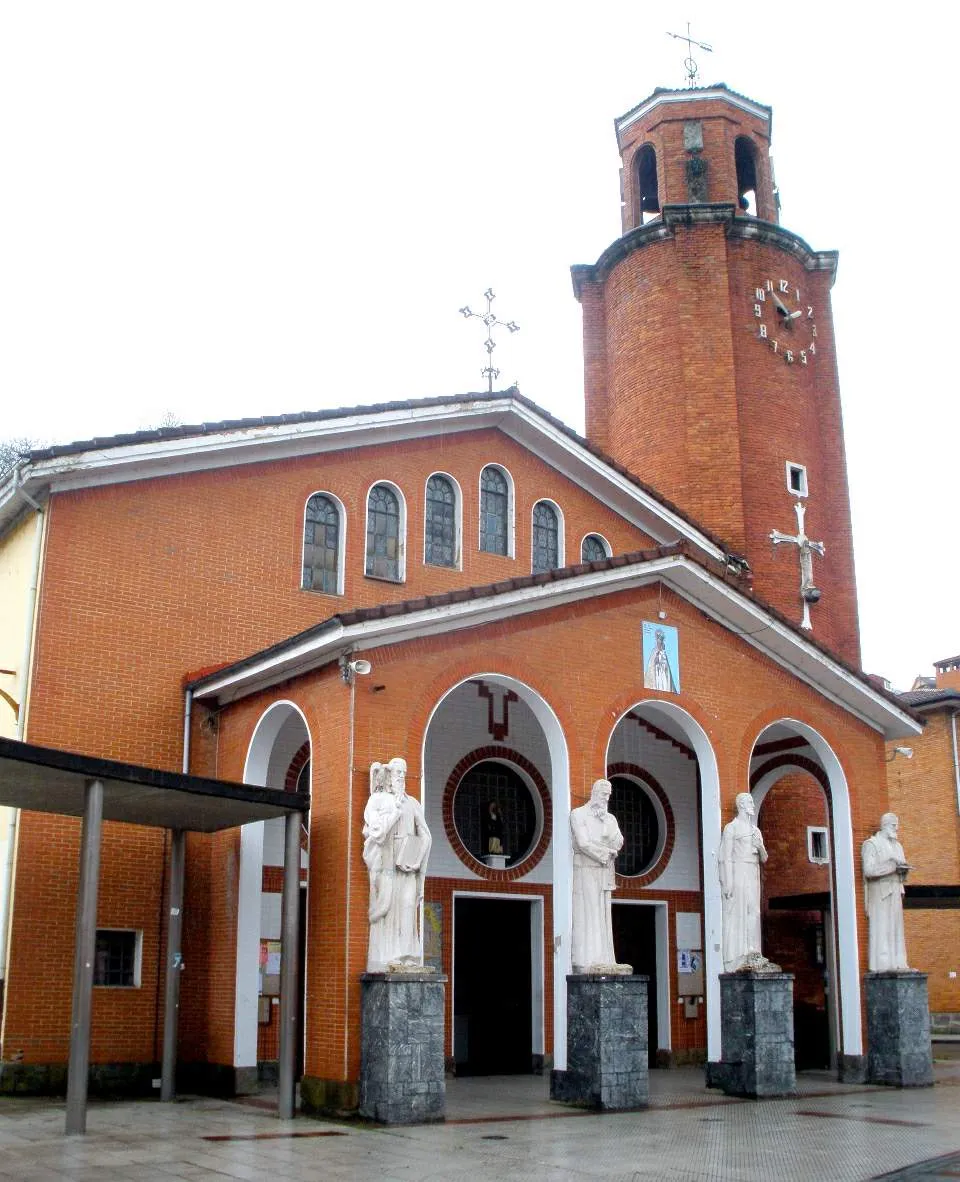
x=884 y=871
x=596 y=842
x=741 y=852
x=396 y=847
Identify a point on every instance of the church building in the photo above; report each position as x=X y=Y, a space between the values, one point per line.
x=516 y=610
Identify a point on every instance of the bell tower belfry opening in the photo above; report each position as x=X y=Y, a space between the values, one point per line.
x=709 y=362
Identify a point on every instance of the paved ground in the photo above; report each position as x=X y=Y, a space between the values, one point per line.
x=507 y=1128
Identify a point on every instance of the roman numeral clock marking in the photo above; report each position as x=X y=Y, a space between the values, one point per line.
x=783 y=322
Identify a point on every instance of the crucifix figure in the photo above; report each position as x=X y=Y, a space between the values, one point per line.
x=808 y=592
x=491 y=322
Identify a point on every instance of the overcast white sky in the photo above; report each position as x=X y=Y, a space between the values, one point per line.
x=219 y=209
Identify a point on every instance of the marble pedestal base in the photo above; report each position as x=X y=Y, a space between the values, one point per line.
x=756 y=1036
x=401 y=1048
x=607 y=1055
x=898 y=1030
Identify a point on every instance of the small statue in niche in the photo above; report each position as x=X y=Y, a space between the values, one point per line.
x=696 y=170
x=493 y=829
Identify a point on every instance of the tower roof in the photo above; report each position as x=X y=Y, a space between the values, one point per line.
x=718 y=92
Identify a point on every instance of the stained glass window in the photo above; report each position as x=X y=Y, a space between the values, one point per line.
x=440 y=523
x=494 y=511
x=639 y=824
x=593 y=549
x=321 y=545
x=383 y=533
x=546 y=537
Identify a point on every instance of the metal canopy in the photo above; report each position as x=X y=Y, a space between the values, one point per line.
x=46 y=780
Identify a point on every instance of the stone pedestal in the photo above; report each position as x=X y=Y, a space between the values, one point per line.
x=401 y=1048
x=898 y=1030
x=607 y=1054
x=756 y=1036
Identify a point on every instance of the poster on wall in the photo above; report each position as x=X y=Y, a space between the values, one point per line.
x=661 y=658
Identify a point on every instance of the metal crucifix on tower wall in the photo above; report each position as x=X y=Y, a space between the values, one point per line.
x=489 y=371
x=808 y=592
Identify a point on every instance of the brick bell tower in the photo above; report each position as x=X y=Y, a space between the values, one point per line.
x=709 y=360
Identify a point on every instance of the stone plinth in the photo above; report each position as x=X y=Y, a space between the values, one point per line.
x=756 y=1036
x=401 y=1047
x=607 y=1054
x=898 y=1030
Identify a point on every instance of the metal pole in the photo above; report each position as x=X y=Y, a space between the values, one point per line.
x=289 y=965
x=84 y=952
x=171 y=1010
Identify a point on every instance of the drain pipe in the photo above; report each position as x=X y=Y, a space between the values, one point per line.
x=347 y=672
x=956 y=764
x=23 y=682
x=187 y=712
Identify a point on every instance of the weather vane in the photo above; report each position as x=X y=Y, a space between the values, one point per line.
x=488 y=318
x=689 y=62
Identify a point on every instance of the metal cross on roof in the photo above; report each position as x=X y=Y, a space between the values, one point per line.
x=689 y=61
x=808 y=592
x=491 y=322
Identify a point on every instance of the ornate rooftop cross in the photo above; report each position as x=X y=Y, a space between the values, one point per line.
x=808 y=592
x=689 y=62
x=488 y=318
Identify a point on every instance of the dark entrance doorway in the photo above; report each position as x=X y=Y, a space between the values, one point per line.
x=635 y=942
x=795 y=936
x=492 y=996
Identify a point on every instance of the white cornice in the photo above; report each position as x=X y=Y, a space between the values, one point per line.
x=178 y=455
x=671 y=97
x=698 y=586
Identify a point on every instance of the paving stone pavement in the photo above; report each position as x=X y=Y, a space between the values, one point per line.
x=508 y=1128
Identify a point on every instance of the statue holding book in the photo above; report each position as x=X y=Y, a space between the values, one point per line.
x=396 y=848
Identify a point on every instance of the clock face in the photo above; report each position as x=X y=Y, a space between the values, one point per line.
x=785 y=324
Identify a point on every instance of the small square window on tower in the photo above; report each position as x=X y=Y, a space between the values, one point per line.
x=797 y=479
x=818 y=845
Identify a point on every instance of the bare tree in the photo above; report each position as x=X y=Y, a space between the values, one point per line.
x=12 y=451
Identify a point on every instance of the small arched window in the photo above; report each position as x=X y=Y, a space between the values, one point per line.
x=384 y=550
x=546 y=537
x=321 y=545
x=440 y=522
x=593 y=549
x=494 y=511
x=648 y=200
x=745 y=158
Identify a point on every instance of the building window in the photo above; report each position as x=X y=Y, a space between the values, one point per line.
x=495 y=811
x=641 y=823
x=647 y=188
x=384 y=534
x=494 y=511
x=117 y=959
x=797 y=479
x=745 y=159
x=818 y=845
x=321 y=546
x=440 y=523
x=593 y=548
x=546 y=537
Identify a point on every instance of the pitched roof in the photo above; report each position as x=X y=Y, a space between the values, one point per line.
x=920 y=700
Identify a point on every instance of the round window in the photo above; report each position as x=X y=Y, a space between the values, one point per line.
x=495 y=812
x=640 y=824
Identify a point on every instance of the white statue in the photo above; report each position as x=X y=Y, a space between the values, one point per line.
x=395 y=849
x=596 y=842
x=884 y=869
x=741 y=852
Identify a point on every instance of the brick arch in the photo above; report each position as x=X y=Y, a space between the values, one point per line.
x=651 y=783
x=297 y=764
x=782 y=709
x=506 y=755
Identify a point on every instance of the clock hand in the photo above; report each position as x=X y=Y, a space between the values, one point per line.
x=794 y=315
x=781 y=306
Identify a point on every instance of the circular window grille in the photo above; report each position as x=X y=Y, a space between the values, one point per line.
x=641 y=826
x=492 y=804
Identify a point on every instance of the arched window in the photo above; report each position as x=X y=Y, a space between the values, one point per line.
x=593 y=549
x=648 y=195
x=494 y=511
x=440 y=522
x=321 y=546
x=384 y=541
x=745 y=158
x=546 y=537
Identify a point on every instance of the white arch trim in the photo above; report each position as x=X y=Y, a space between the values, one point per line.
x=250 y=883
x=843 y=880
x=710 y=820
x=562 y=860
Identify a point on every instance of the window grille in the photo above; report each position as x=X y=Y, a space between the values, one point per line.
x=546 y=538
x=494 y=511
x=115 y=959
x=440 y=525
x=593 y=549
x=639 y=824
x=383 y=534
x=492 y=782
x=321 y=546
